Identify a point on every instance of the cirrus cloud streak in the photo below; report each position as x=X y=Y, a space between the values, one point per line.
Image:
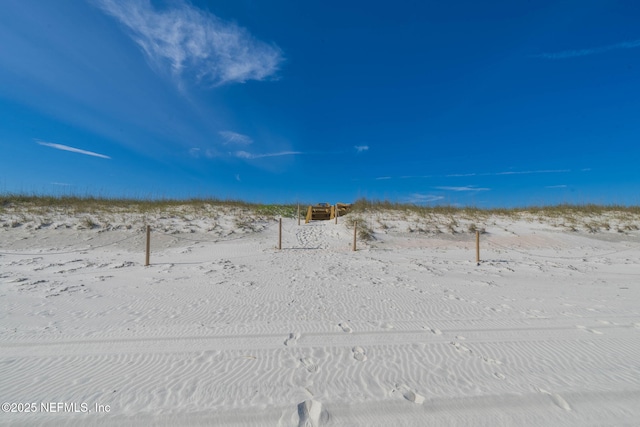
x=187 y=40
x=249 y=156
x=590 y=51
x=72 y=149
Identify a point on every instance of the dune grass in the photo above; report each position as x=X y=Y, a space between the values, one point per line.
x=362 y=205
x=89 y=203
x=38 y=212
x=75 y=204
x=422 y=219
x=439 y=219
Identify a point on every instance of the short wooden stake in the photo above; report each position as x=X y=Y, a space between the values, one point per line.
x=298 y=213
x=148 y=251
x=336 y=214
x=355 y=232
x=477 y=248
x=280 y=234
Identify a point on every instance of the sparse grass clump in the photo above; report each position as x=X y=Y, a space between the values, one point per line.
x=285 y=211
x=88 y=223
x=473 y=228
x=245 y=223
x=364 y=231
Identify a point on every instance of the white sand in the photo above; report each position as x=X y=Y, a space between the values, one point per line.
x=405 y=331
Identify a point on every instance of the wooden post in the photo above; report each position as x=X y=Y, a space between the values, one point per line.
x=336 y=213
x=148 y=251
x=298 y=213
x=280 y=234
x=477 y=247
x=355 y=232
x=309 y=216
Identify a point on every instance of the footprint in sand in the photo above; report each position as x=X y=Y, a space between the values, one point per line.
x=310 y=414
x=434 y=331
x=293 y=339
x=593 y=331
x=556 y=399
x=460 y=347
x=359 y=354
x=308 y=364
x=345 y=327
x=490 y=361
x=409 y=394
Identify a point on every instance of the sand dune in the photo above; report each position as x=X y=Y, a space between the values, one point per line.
x=224 y=329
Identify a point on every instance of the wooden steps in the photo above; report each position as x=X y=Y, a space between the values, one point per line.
x=324 y=211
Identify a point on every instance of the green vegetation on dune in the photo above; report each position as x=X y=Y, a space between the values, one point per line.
x=362 y=205
x=112 y=213
x=285 y=211
x=371 y=216
x=589 y=217
x=89 y=203
x=75 y=204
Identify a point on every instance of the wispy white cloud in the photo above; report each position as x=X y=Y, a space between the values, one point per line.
x=187 y=40
x=466 y=188
x=528 y=172
x=419 y=199
x=211 y=153
x=238 y=177
x=235 y=138
x=455 y=175
x=472 y=174
x=244 y=155
x=247 y=155
x=361 y=148
x=208 y=153
x=556 y=186
x=590 y=51
x=72 y=149
x=382 y=178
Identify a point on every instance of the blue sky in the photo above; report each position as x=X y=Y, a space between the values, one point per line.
x=495 y=103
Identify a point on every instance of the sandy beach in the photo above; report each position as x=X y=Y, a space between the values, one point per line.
x=225 y=329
